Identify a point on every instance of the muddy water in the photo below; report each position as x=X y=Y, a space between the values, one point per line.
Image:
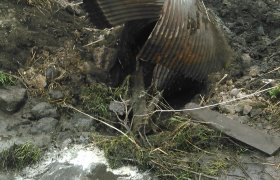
x=78 y=162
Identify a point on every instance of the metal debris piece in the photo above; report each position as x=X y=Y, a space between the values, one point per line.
x=243 y=133
x=184 y=42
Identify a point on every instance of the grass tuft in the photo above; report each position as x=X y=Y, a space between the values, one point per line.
x=19 y=156
x=275 y=93
x=120 y=151
x=97 y=97
x=185 y=150
x=6 y=79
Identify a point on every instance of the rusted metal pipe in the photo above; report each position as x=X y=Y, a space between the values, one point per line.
x=185 y=41
x=118 y=12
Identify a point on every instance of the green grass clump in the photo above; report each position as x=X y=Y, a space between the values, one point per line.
x=182 y=151
x=97 y=97
x=215 y=166
x=275 y=93
x=121 y=151
x=6 y=79
x=192 y=137
x=19 y=156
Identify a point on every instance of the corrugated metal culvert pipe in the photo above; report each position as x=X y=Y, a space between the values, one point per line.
x=185 y=41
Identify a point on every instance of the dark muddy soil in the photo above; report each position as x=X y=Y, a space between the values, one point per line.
x=53 y=46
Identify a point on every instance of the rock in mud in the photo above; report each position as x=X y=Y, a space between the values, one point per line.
x=82 y=124
x=51 y=73
x=64 y=171
x=117 y=107
x=43 y=110
x=256 y=112
x=230 y=109
x=56 y=95
x=247 y=109
x=78 y=123
x=103 y=60
x=246 y=59
x=234 y=92
x=44 y=125
x=254 y=71
x=12 y=98
x=63 y=139
x=99 y=171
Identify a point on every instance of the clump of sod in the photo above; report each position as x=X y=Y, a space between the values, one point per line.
x=275 y=93
x=6 y=79
x=96 y=98
x=184 y=150
x=19 y=156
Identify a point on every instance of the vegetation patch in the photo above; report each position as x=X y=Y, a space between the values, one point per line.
x=215 y=166
x=36 y=3
x=96 y=98
x=19 y=156
x=185 y=150
x=6 y=79
x=275 y=93
x=121 y=151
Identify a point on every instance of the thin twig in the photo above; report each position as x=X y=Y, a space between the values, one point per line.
x=103 y=122
x=212 y=105
x=97 y=41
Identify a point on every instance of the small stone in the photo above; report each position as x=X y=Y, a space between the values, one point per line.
x=243 y=119
x=103 y=60
x=117 y=107
x=247 y=109
x=229 y=82
x=260 y=30
x=39 y=81
x=12 y=98
x=44 y=109
x=82 y=124
x=64 y=171
x=246 y=59
x=51 y=73
x=234 y=92
x=260 y=126
x=256 y=112
x=228 y=109
x=99 y=171
x=56 y=95
x=239 y=108
x=45 y=125
x=63 y=138
x=268 y=127
x=254 y=71
x=78 y=123
x=66 y=143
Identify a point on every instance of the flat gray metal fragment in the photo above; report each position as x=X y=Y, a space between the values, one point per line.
x=244 y=133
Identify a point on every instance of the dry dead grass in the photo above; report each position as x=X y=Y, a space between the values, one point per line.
x=45 y=70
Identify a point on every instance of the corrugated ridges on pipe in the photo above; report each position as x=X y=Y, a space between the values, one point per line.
x=121 y=11
x=185 y=41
